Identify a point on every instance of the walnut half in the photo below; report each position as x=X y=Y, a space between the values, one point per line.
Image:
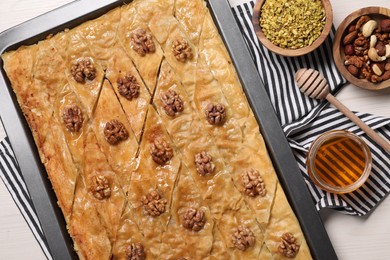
x=243 y=238
x=204 y=163
x=141 y=41
x=73 y=118
x=215 y=113
x=135 y=251
x=194 y=219
x=154 y=205
x=160 y=151
x=172 y=102
x=83 y=69
x=289 y=245
x=128 y=86
x=253 y=183
x=100 y=187
x=182 y=50
x=115 y=132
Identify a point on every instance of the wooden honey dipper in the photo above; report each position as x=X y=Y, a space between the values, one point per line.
x=314 y=85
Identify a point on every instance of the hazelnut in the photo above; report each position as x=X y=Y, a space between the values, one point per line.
x=380 y=48
x=352 y=28
x=349 y=50
x=387 y=66
x=385 y=25
x=353 y=70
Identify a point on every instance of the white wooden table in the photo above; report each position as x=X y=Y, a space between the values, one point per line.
x=353 y=238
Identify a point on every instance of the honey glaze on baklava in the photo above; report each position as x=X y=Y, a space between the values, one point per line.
x=148 y=139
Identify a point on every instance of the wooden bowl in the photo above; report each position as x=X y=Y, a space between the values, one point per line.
x=375 y=13
x=292 y=52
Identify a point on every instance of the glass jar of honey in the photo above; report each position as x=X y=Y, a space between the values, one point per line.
x=339 y=161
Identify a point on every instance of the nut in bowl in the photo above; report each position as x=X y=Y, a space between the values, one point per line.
x=292 y=27
x=361 y=48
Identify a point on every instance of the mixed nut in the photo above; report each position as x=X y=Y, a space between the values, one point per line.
x=366 y=47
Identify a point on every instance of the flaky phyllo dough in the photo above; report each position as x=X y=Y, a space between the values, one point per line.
x=149 y=141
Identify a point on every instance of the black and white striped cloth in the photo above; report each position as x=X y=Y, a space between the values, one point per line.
x=13 y=180
x=302 y=118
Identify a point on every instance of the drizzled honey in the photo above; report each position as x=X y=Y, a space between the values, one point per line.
x=338 y=161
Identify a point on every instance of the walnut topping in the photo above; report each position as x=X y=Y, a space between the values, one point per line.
x=154 y=204
x=73 y=118
x=141 y=41
x=100 y=187
x=135 y=251
x=128 y=86
x=354 y=60
x=83 y=69
x=243 y=238
x=182 y=50
x=215 y=113
x=160 y=151
x=204 y=163
x=289 y=245
x=194 y=219
x=253 y=183
x=172 y=102
x=115 y=132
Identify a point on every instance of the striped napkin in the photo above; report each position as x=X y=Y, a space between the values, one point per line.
x=302 y=119
x=13 y=180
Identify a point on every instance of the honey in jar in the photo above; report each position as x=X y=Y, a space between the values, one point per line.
x=339 y=161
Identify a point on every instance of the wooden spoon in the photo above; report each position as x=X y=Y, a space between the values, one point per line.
x=313 y=84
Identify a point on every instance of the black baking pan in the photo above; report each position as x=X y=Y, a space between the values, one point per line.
x=35 y=176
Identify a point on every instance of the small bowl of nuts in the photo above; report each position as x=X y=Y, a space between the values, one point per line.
x=292 y=27
x=361 y=48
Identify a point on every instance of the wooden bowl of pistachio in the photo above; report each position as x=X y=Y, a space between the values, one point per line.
x=292 y=27
x=361 y=48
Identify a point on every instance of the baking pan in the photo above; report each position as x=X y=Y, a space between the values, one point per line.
x=34 y=173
